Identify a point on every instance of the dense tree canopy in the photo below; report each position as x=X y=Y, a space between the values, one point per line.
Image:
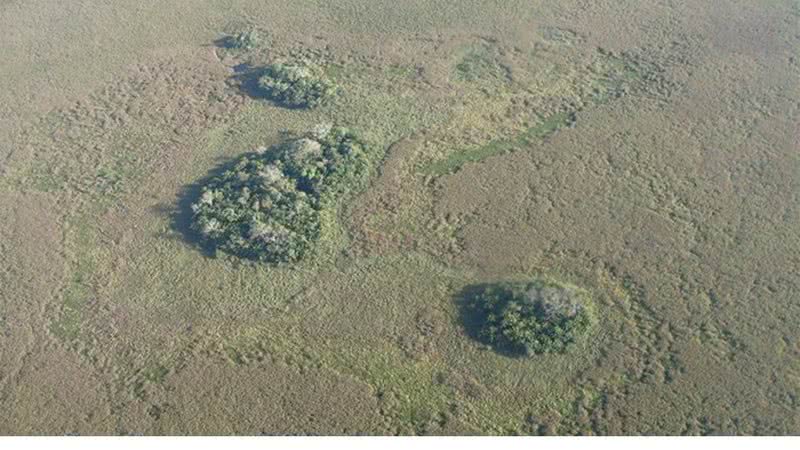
x=296 y=85
x=533 y=318
x=267 y=205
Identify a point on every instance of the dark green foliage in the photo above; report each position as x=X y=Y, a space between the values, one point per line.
x=296 y=85
x=326 y=163
x=532 y=318
x=267 y=206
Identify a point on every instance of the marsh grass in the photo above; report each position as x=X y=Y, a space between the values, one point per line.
x=542 y=130
x=336 y=313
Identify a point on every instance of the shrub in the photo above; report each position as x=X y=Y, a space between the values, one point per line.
x=295 y=85
x=246 y=40
x=481 y=64
x=267 y=205
x=532 y=318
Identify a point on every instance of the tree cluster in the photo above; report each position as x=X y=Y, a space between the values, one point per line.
x=533 y=318
x=245 y=40
x=296 y=85
x=267 y=206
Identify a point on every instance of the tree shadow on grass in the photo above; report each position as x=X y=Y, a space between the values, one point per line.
x=245 y=75
x=245 y=78
x=472 y=317
x=227 y=42
x=182 y=216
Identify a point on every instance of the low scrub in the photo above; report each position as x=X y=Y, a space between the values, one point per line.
x=267 y=206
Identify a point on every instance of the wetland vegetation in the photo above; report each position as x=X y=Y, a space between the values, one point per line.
x=552 y=217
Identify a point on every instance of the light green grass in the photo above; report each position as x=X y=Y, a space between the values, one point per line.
x=455 y=161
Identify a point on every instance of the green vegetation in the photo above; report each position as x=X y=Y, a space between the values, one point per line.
x=478 y=65
x=114 y=325
x=531 y=318
x=267 y=205
x=616 y=77
x=543 y=129
x=77 y=293
x=561 y=36
x=245 y=40
x=296 y=85
x=481 y=62
x=609 y=77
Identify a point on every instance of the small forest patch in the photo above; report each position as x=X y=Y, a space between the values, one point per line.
x=526 y=319
x=267 y=205
x=296 y=85
x=244 y=40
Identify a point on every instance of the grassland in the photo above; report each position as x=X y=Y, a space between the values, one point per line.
x=644 y=152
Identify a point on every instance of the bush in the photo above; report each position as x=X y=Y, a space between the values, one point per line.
x=246 y=40
x=267 y=205
x=532 y=318
x=296 y=86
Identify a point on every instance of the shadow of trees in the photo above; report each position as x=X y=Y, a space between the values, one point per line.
x=182 y=216
x=245 y=77
x=473 y=319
